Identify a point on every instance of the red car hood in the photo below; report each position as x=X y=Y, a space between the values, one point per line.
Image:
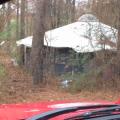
x=23 y=111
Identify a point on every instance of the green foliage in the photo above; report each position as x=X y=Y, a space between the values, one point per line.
x=85 y=82
x=79 y=59
x=9 y=32
x=2 y=71
x=72 y=58
x=84 y=58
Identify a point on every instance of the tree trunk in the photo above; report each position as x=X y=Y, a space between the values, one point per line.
x=118 y=42
x=22 y=30
x=73 y=11
x=8 y=26
x=22 y=19
x=17 y=19
x=38 y=41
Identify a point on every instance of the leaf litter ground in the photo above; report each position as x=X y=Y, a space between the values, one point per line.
x=16 y=87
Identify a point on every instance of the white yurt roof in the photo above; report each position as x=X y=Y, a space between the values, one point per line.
x=88 y=18
x=26 y=41
x=81 y=36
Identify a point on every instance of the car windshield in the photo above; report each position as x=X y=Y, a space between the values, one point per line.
x=58 y=54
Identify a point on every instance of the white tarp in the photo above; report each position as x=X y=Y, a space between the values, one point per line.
x=81 y=36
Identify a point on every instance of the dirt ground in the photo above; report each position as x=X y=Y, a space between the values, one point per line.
x=16 y=87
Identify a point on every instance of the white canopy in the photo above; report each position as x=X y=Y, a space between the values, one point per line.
x=81 y=36
x=26 y=41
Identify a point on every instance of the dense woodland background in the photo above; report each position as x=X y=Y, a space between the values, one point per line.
x=22 y=18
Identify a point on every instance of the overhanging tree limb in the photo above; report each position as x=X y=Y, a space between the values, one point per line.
x=4 y=1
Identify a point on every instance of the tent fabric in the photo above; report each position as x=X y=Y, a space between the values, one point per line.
x=80 y=36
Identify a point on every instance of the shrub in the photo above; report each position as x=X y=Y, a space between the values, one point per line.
x=2 y=71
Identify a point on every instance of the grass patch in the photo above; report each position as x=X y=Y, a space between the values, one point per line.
x=2 y=71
